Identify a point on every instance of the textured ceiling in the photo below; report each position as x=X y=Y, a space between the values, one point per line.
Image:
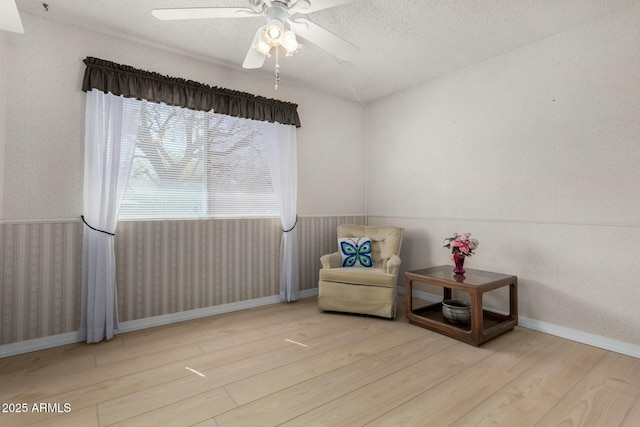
x=402 y=43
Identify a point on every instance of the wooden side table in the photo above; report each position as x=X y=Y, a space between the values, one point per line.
x=484 y=325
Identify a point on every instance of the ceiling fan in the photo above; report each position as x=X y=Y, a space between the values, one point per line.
x=279 y=14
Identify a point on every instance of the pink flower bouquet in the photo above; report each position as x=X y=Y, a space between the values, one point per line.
x=461 y=244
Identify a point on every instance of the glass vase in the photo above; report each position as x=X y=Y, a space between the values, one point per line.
x=458 y=260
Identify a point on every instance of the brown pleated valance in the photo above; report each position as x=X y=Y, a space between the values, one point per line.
x=133 y=83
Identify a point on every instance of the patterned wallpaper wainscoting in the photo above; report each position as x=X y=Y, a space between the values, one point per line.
x=163 y=267
x=171 y=266
x=40 y=276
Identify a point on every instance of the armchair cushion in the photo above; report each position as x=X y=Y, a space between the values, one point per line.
x=355 y=251
x=359 y=276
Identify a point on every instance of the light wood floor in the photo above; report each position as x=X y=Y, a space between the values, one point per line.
x=291 y=365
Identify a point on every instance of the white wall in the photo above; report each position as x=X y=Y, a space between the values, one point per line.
x=537 y=153
x=45 y=122
x=331 y=161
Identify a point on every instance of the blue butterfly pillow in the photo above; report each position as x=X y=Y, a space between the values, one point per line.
x=355 y=251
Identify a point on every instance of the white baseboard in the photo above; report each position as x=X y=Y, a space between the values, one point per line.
x=182 y=316
x=309 y=293
x=36 y=344
x=27 y=346
x=605 y=343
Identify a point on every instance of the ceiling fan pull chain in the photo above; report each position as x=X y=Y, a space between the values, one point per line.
x=277 y=68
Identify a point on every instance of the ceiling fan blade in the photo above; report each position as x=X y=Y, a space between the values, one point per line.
x=203 y=13
x=317 y=5
x=10 y=18
x=254 y=59
x=324 y=39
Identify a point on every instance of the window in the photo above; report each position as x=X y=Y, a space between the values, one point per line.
x=194 y=164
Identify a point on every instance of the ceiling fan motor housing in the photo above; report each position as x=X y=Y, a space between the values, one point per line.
x=278 y=10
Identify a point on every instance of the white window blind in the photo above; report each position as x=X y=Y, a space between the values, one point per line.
x=194 y=164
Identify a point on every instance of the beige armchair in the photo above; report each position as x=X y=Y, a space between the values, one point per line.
x=365 y=290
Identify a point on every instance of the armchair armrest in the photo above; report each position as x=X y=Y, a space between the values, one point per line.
x=393 y=265
x=333 y=260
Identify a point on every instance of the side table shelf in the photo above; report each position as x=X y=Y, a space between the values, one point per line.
x=484 y=325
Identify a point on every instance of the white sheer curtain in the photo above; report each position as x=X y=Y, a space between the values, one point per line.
x=281 y=153
x=110 y=140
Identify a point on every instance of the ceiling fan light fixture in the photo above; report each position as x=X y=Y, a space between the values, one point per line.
x=290 y=43
x=274 y=31
x=263 y=46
